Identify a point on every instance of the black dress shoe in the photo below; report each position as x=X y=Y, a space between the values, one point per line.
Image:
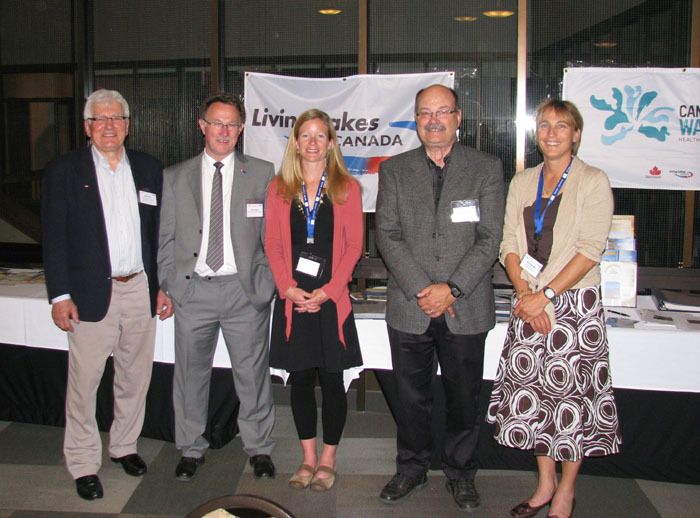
x=133 y=464
x=400 y=486
x=262 y=466
x=187 y=467
x=89 y=487
x=464 y=493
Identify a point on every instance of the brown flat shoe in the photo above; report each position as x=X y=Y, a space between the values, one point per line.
x=525 y=510
x=301 y=481
x=323 y=484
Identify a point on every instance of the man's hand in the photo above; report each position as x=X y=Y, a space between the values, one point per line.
x=164 y=306
x=436 y=299
x=63 y=312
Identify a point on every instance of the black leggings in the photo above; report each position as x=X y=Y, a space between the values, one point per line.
x=334 y=404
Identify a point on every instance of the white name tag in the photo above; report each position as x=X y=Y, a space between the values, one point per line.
x=148 y=198
x=465 y=211
x=308 y=266
x=254 y=209
x=531 y=265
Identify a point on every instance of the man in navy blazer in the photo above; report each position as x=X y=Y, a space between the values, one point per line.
x=100 y=217
x=439 y=225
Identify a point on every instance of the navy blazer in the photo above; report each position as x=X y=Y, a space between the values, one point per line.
x=75 y=247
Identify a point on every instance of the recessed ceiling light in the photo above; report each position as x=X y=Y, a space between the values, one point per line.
x=498 y=13
x=465 y=18
x=605 y=44
x=330 y=11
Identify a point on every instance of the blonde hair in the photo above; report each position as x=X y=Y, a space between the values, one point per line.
x=291 y=176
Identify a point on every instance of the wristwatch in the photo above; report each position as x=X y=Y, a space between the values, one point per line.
x=454 y=289
x=550 y=294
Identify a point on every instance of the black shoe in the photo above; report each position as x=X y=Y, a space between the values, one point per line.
x=187 y=467
x=133 y=464
x=262 y=466
x=465 y=494
x=89 y=487
x=400 y=486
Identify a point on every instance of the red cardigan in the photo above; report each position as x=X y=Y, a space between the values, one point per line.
x=348 y=233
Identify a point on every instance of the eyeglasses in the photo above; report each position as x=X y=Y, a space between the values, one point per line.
x=221 y=125
x=440 y=114
x=102 y=120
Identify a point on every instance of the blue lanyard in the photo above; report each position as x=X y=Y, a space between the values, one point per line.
x=539 y=218
x=311 y=214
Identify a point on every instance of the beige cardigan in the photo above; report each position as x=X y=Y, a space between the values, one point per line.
x=582 y=225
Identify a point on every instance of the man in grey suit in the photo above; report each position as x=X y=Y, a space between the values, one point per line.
x=439 y=224
x=212 y=264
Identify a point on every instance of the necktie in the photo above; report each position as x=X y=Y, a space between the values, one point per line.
x=215 y=248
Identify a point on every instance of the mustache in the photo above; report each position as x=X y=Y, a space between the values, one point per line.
x=435 y=126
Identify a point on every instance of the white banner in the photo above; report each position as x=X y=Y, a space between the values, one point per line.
x=373 y=116
x=641 y=125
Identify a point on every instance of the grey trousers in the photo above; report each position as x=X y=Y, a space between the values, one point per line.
x=214 y=303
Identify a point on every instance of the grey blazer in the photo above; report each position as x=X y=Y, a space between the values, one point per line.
x=421 y=245
x=181 y=228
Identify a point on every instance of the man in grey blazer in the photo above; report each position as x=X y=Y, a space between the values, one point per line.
x=439 y=224
x=212 y=264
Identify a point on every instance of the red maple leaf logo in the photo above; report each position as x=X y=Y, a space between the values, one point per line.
x=655 y=171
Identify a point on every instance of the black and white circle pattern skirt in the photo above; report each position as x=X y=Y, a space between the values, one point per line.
x=553 y=394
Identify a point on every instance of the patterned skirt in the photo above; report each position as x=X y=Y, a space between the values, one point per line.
x=553 y=394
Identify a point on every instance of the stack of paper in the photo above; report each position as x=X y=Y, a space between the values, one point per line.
x=618 y=268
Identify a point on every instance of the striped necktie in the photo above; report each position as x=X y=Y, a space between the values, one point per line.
x=215 y=248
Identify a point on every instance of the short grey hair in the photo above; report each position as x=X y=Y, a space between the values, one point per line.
x=103 y=96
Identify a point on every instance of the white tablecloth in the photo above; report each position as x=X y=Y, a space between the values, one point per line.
x=645 y=359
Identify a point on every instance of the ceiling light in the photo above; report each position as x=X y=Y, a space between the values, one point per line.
x=330 y=11
x=606 y=44
x=465 y=18
x=498 y=13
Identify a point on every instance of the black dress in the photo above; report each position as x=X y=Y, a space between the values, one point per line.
x=313 y=341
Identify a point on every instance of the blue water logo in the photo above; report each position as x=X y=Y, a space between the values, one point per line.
x=633 y=111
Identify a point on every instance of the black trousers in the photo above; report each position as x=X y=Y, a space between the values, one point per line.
x=461 y=359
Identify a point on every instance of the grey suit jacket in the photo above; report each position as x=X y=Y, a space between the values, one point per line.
x=421 y=245
x=181 y=228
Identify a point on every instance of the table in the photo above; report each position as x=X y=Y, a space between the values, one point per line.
x=656 y=375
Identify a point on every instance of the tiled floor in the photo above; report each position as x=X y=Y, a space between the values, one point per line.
x=34 y=482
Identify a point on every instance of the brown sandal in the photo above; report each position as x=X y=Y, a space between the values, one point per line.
x=323 y=484
x=301 y=481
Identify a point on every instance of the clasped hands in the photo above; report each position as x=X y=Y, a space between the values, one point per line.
x=305 y=302
x=435 y=300
x=530 y=308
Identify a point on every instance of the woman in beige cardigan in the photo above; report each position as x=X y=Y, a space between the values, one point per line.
x=553 y=392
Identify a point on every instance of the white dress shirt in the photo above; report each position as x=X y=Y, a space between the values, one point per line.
x=229 y=268
x=121 y=212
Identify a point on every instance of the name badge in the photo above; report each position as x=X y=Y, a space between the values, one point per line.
x=148 y=198
x=465 y=211
x=531 y=265
x=310 y=264
x=254 y=209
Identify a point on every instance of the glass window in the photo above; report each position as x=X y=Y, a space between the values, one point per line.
x=624 y=33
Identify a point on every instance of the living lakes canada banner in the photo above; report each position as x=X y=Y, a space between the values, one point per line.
x=373 y=117
x=641 y=125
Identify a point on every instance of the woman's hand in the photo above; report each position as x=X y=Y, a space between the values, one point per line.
x=530 y=308
x=297 y=295
x=313 y=303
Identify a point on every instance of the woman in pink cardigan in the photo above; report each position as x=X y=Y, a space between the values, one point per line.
x=313 y=239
